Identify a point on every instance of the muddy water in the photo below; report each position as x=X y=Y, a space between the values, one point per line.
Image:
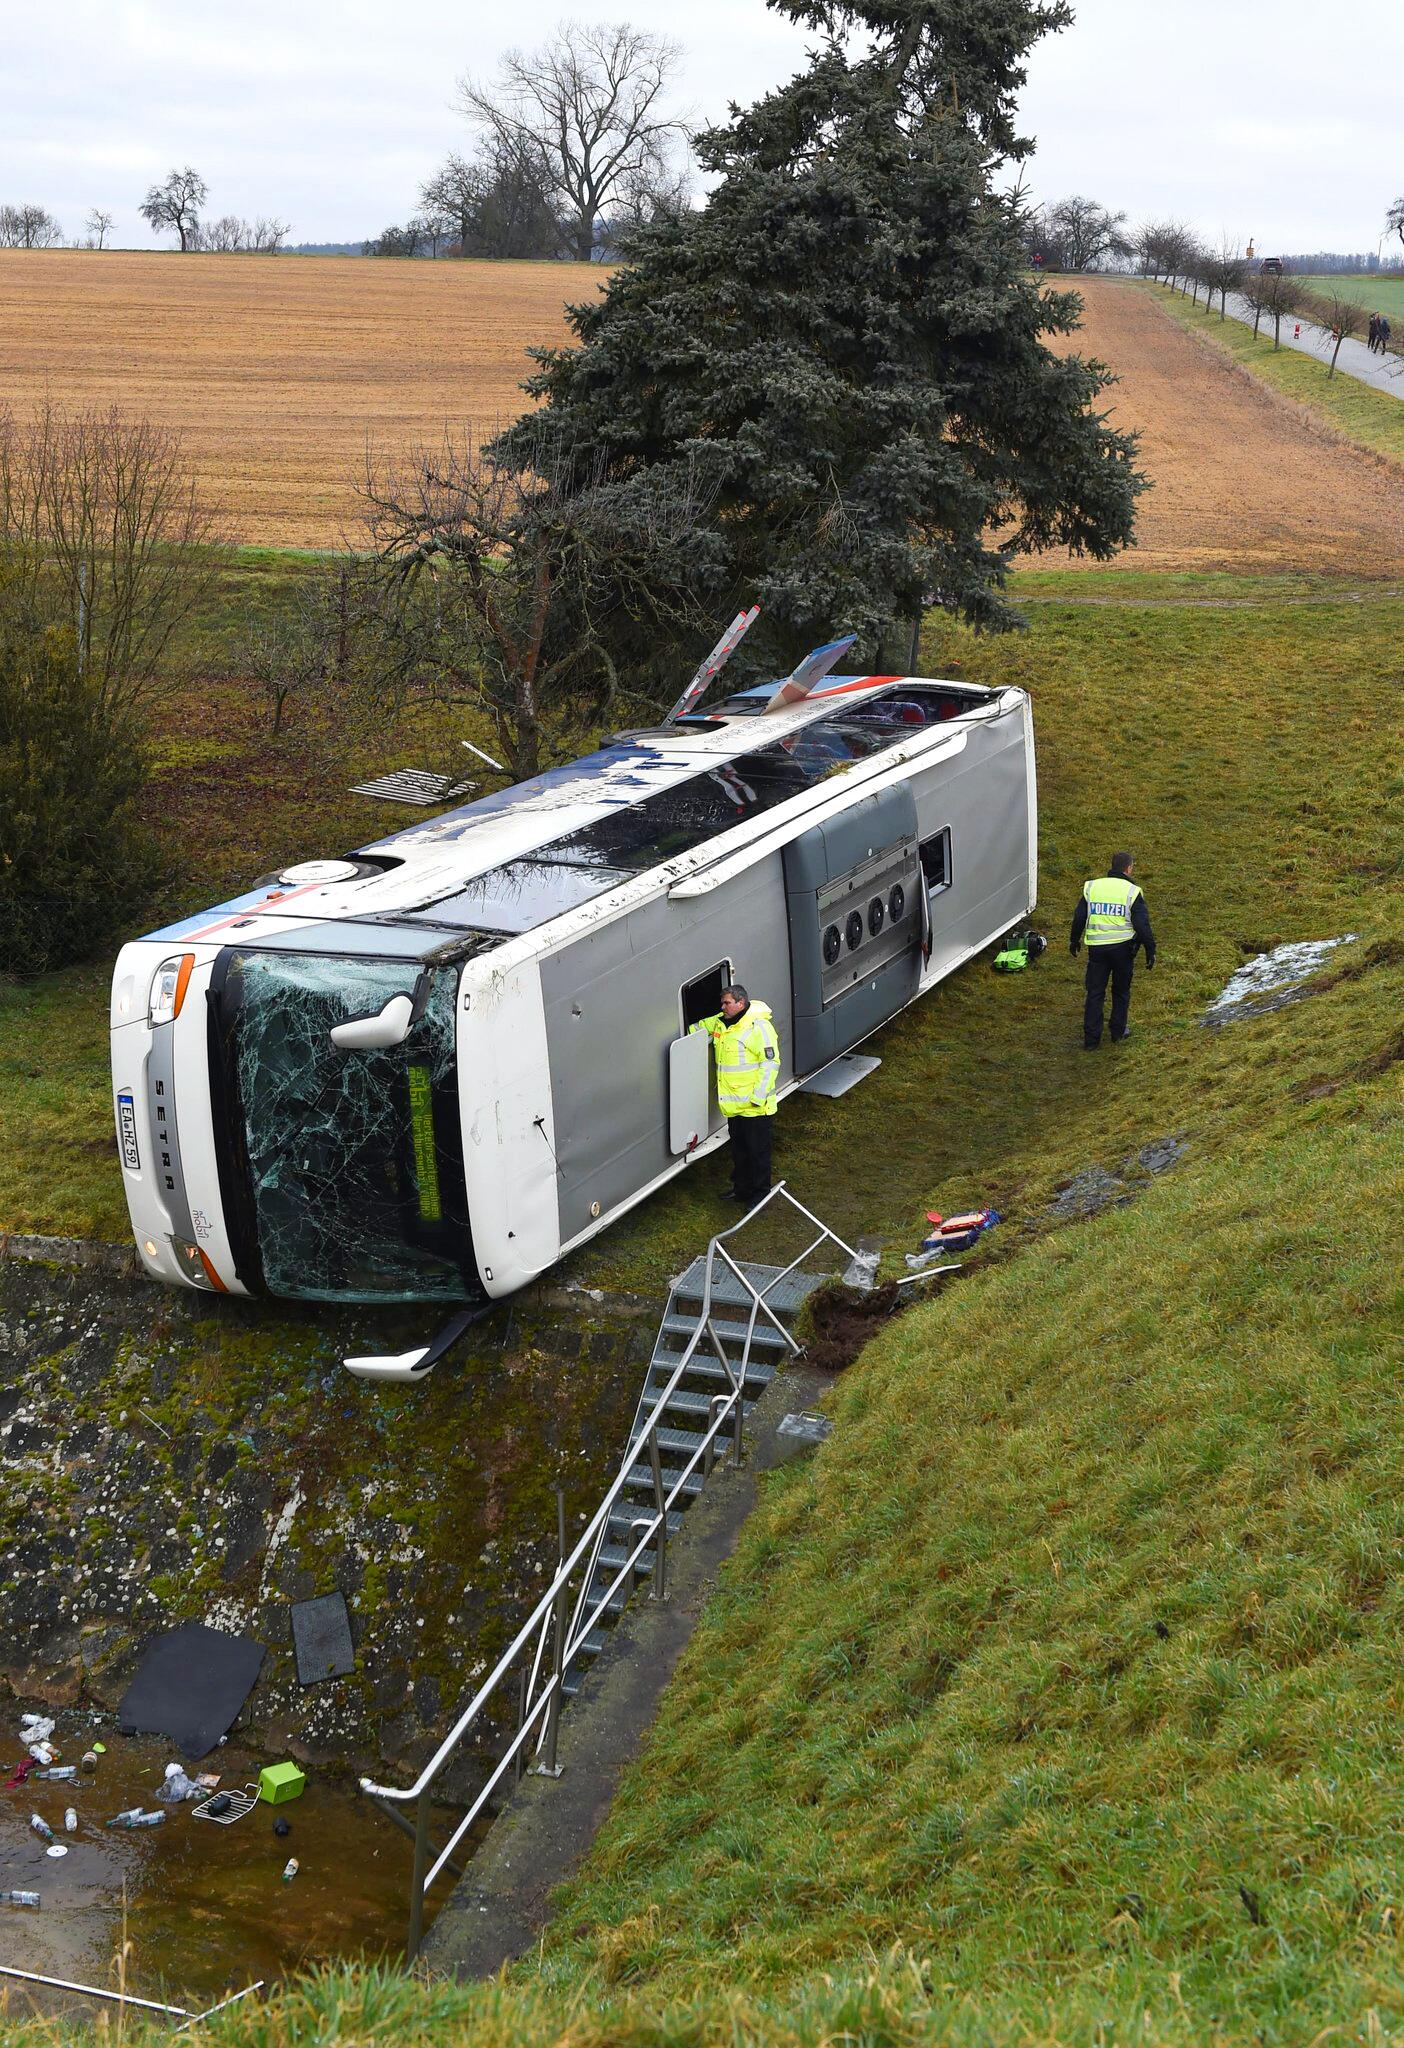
x=207 y=1910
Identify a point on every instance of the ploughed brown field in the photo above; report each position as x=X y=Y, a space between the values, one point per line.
x=277 y=370
x=1242 y=479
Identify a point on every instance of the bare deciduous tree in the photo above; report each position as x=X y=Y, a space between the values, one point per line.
x=498 y=199
x=1342 y=317
x=1223 y=270
x=176 y=205
x=99 y=226
x=434 y=227
x=101 y=531
x=589 y=107
x=28 y=227
x=1280 y=292
x=222 y=237
x=519 y=566
x=266 y=235
x=1394 y=219
x=395 y=241
x=1077 y=234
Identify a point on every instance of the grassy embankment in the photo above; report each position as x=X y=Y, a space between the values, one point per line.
x=1357 y=412
x=1068 y=1669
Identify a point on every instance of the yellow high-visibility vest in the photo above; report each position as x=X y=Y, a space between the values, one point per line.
x=1109 y=903
x=748 y=1061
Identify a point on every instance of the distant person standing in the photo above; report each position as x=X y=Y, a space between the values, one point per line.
x=1113 y=919
x=1373 y=342
x=1382 y=338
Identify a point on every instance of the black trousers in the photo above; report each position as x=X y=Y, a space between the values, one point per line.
x=1108 y=964
x=750 y=1156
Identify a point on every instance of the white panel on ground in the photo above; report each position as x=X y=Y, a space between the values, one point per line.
x=688 y=1076
x=841 y=1074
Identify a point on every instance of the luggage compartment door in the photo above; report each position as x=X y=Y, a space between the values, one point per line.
x=853 y=898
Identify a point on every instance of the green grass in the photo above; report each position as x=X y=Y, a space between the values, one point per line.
x=1378 y=294
x=1358 y=412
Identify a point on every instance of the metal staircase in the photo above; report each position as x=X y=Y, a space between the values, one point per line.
x=724 y=1332
x=698 y=1356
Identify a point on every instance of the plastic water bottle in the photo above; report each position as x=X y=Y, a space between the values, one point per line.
x=61 y=1773
x=41 y=1826
x=19 y=1898
x=70 y=1820
x=290 y=1870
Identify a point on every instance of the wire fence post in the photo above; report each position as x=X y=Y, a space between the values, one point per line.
x=421 y=1864
x=660 y=1570
x=548 y=1767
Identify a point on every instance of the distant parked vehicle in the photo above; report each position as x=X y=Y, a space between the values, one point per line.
x=1271 y=266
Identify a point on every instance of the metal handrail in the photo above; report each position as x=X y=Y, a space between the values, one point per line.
x=543 y=1694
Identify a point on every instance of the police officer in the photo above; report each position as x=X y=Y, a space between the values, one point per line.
x=1113 y=919
x=748 y=1067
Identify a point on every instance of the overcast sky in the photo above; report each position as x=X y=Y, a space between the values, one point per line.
x=1277 y=119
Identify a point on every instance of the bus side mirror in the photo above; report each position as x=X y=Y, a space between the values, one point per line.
x=390 y=1026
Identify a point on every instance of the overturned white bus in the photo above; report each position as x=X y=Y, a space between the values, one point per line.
x=428 y=1070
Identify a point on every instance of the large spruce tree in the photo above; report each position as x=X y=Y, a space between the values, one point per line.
x=848 y=332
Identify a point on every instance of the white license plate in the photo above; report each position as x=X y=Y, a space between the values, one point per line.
x=126 y=1126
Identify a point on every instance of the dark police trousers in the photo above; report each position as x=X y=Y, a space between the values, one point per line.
x=750 y=1156
x=1108 y=964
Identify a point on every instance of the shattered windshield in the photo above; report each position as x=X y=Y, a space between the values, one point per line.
x=354 y=1158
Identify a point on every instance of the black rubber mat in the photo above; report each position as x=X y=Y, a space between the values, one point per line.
x=190 y=1685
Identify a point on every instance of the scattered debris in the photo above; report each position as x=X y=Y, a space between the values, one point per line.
x=290 y=1869
x=413 y=786
x=321 y=1631
x=135 y=1817
x=1018 y=950
x=1270 y=981
x=795 y=1434
x=18 y=1898
x=951 y=1234
x=41 y=1826
x=277 y=1783
x=861 y=1271
x=227 y=1807
x=177 y=1786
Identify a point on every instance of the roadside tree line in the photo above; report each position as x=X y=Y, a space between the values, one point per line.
x=172 y=207
x=1272 y=291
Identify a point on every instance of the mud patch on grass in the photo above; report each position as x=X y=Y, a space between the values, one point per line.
x=839 y=1322
x=1099 y=1187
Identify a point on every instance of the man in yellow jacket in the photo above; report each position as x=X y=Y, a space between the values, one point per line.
x=748 y=1067
x=1113 y=919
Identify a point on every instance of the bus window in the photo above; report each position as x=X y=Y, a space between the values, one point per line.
x=702 y=998
x=936 y=861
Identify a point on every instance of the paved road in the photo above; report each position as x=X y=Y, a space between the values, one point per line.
x=1386 y=373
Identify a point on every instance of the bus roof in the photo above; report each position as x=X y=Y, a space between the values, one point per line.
x=524 y=855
